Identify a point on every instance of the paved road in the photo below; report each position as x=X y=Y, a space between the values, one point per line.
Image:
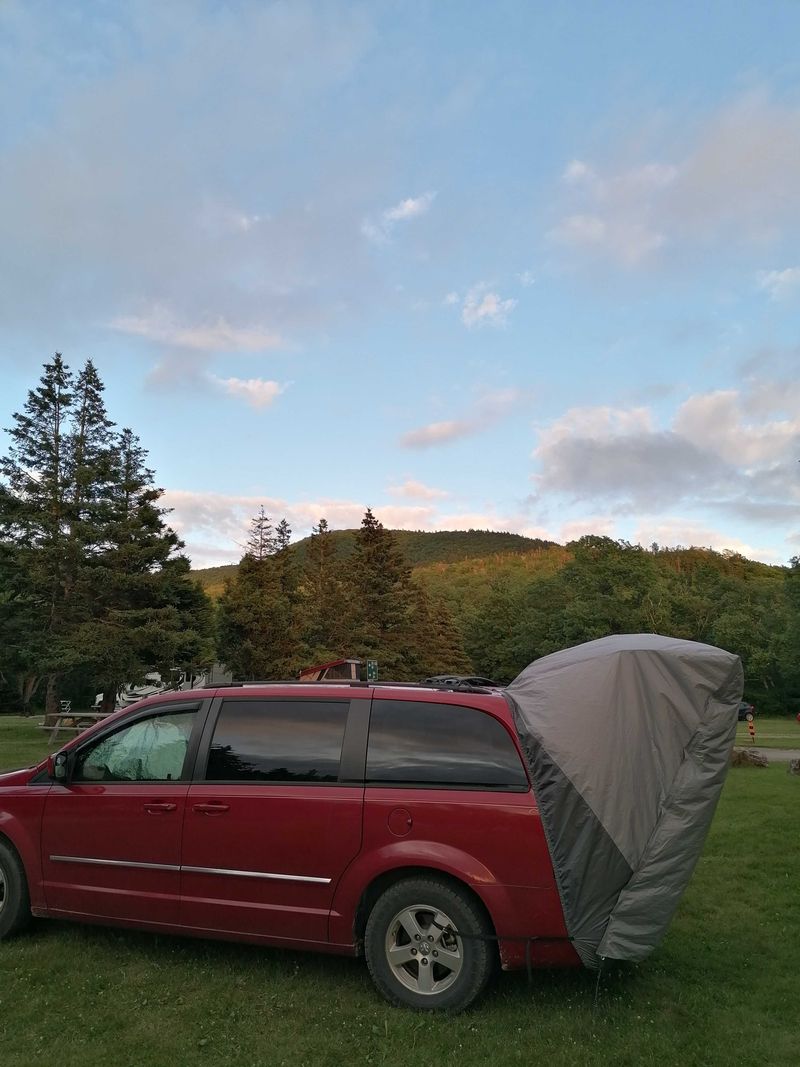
x=777 y=755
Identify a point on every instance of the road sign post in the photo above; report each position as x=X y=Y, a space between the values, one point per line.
x=372 y=670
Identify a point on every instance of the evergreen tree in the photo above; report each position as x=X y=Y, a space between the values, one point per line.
x=283 y=535
x=434 y=644
x=448 y=642
x=35 y=514
x=257 y=621
x=322 y=599
x=261 y=539
x=90 y=456
x=287 y=569
x=254 y=622
x=149 y=615
x=23 y=637
x=91 y=578
x=380 y=598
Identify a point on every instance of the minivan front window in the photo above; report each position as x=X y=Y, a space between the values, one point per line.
x=150 y=750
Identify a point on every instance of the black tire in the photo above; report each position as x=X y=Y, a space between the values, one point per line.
x=15 y=903
x=434 y=969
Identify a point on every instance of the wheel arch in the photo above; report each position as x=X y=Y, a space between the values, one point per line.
x=386 y=879
x=22 y=837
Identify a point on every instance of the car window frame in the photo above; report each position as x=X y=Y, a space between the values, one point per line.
x=484 y=787
x=353 y=755
x=201 y=708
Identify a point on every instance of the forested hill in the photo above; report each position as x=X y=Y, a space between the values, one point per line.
x=419 y=548
x=502 y=601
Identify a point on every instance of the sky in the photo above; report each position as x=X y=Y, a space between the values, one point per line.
x=498 y=265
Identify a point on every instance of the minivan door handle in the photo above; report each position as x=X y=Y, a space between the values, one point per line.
x=158 y=807
x=212 y=808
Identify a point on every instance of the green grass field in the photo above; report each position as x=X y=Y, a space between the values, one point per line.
x=771 y=732
x=722 y=989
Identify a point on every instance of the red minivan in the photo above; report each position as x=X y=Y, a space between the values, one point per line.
x=394 y=820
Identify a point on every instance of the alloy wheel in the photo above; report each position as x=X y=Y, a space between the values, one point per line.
x=423 y=949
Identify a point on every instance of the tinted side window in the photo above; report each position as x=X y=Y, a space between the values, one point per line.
x=277 y=741
x=440 y=744
x=150 y=750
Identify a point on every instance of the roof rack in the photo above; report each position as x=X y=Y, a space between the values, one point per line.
x=449 y=687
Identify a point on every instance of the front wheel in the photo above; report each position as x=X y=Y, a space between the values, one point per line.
x=415 y=950
x=15 y=908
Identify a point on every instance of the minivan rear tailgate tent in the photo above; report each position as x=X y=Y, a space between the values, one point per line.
x=628 y=741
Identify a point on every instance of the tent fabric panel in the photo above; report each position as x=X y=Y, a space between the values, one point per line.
x=648 y=902
x=595 y=708
x=588 y=866
x=628 y=741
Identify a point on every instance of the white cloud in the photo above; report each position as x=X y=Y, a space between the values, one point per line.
x=483 y=307
x=526 y=278
x=414 y=490
x=210 y=336
x=601 y=525
x=733 y=180
x=214 y=525
x=729 y=451
x=411 y=208
x=485 y=412
x=719 y=423
x=161 y=211
x=258 y=392
x=780 y=284
x=451 y=299
x=577 y=171
x=595 y=423
x=626 y=240
x=437 y=433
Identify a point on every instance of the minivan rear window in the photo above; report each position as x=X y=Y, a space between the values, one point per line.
x=424 y=743
x=277 y=741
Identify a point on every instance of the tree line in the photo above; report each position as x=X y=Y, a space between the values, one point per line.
x=516 y=609
x=95 y=591
x=278 y=614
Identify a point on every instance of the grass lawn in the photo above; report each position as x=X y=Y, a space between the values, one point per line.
x=771 y=732
x=722 y=989
x=22 y=743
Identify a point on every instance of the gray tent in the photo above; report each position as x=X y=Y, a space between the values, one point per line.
x=629 y=741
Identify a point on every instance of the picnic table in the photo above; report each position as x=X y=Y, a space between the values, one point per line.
x=70 y=721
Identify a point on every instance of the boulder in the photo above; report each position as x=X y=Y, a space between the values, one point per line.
x=748 y=757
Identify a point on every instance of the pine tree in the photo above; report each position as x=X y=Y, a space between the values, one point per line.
x=287 y=567
x=91 y=453
x=322 y=605
x=149 y=615
x=380 y=599
x=35 y=514
x=254 y=622
x=261 y=539
x=448 y=642
x=23 y=638
x=283 y=535
x=91 y=578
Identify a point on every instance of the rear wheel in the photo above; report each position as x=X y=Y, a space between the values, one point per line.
x=15 y=905
x=415 y=950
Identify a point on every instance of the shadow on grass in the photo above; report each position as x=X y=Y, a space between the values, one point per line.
x=544 y=988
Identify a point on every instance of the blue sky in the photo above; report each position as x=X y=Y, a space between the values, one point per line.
x=500 y=265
